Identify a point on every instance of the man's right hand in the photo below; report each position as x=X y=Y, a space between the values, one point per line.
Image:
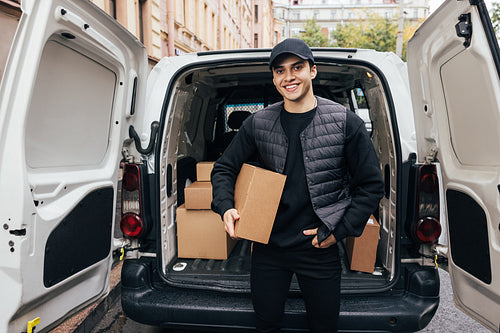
x=230 y=218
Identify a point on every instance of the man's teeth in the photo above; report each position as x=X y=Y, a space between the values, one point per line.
x=291 y=87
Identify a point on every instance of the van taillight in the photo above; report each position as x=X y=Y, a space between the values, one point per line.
x=132 y=225
x=132 y=222
x=427 y=228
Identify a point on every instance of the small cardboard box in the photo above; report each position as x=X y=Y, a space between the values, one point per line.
x=362 y=250
x=203 y=171
x=201 y=234
x=257 y=195
x=198 y=195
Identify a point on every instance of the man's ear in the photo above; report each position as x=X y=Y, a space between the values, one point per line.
x=314 y=72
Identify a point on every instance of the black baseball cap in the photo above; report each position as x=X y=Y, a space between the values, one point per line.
x=293 y=46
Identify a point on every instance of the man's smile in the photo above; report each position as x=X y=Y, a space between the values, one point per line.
x=291 y=87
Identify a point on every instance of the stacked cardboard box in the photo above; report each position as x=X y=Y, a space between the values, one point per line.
x=362 y=250
x=200 y=232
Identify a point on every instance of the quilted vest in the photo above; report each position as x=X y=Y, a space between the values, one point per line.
x=323 y=153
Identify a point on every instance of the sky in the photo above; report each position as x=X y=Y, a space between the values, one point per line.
x=434 y=4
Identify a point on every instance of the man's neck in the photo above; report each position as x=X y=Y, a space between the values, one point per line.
x=302 y=106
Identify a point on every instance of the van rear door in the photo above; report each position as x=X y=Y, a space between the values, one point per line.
x=454 y=67
x=73 y=79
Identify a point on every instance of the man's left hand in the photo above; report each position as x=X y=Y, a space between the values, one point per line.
x=329 y=241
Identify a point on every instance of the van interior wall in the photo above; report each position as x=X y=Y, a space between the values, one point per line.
x=200 y=105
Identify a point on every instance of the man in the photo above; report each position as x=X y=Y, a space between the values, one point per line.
x=333 y=185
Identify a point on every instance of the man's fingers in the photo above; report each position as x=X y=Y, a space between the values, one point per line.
x=230 y=217
x=310 y=232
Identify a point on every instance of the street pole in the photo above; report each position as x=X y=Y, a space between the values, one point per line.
x=399 y=40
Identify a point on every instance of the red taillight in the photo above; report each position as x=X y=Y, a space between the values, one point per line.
x=427 y=228
x=130 y=181
x=132 y=225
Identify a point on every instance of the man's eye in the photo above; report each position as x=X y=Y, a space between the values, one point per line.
x=298 y=67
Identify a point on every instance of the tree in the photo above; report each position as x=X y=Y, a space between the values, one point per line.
x=312 y=34
x=374 y=32
x=495 y=17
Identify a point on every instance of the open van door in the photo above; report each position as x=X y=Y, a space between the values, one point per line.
x=73 y=81
x=454 y=66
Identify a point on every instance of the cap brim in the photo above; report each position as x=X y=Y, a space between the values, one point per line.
x=286 y=52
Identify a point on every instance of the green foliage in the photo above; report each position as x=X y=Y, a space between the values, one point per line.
x=374 y=32
x=495 y=17
x=312 y=34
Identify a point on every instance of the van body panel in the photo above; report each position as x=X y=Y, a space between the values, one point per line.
x=454 y=66
x=66 y=99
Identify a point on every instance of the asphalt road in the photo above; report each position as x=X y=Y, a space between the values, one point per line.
x=448 y=319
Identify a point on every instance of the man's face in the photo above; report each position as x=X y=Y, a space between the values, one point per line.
x=293 y=77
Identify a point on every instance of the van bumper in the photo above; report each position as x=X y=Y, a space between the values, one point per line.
x=148 y=300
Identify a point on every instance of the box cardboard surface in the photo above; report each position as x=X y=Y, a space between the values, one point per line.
x=198 y=195
x=257 y=195
x=203 y=171
x=362 y=250
x=201 y=234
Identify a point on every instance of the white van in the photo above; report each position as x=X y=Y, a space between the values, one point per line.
x=77 y=110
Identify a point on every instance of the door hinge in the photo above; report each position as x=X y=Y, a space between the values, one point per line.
x=126 y=155
x=464 y=28
x=431 y=155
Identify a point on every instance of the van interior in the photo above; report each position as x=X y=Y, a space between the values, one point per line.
x=210 y=103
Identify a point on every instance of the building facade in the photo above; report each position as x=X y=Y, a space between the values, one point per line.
x=10 y=12
x=329 y=13
x=174 y=27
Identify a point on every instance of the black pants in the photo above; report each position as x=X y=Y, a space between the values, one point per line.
x=318 y=273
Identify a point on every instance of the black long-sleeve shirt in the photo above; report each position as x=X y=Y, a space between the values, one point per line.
x=295 y=212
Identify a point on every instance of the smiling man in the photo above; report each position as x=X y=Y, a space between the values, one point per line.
x=333 y=185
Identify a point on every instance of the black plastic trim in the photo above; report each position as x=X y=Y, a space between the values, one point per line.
x=81 y=239
x=146 y=299
x=268 y=50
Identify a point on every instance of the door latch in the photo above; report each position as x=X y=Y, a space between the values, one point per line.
x=464 y=28
x=32 y=325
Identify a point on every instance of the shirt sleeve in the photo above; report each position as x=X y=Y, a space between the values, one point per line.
x=366 y=182
x=228 y=166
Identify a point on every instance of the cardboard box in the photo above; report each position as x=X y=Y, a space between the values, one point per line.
x=201 y=234
x=198 y=195
x=203 y=171
x=362 y=250
x=257 y=195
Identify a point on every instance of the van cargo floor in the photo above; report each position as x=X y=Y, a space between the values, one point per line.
x=233 y=274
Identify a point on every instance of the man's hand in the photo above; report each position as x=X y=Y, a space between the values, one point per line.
x=329 y=241
x=230 y=218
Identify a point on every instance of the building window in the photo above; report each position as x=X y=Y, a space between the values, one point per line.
x=316 y=14
x=141 y=20
x=144 y=28
x=256 y=14
x=256 y=41
x=275 y=39
x=333 y=13
x=296 y=16
x=112 y=8
x=295 y=2
x=415 y=13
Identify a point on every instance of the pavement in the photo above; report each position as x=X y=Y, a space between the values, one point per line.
x=85 y=320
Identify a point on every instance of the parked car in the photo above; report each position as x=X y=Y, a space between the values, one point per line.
x=78 y=111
